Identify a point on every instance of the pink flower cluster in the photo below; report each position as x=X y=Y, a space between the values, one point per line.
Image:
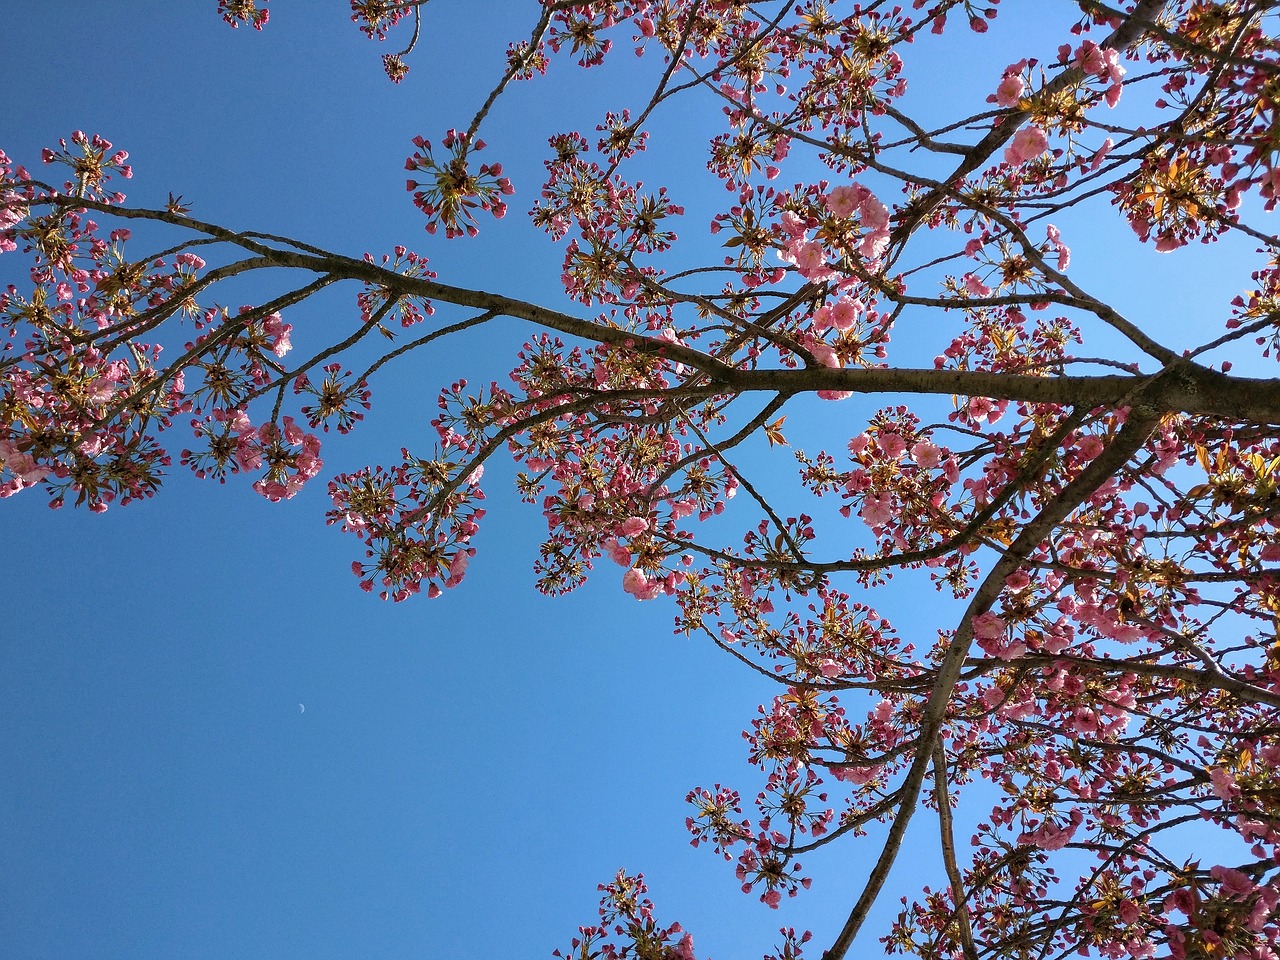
x=416 y=521
x=22 y=469
x=92 y=161
x=1012 y=86
x=451 y=193
x=842 y=314
x=1050 y=835
x=854 y=200
x=236 y=12
x=996 y=638
x=288 y=453
x=13 y=205
x=1029 y=143
x=277 y=332
x=627 y=927
x=1102 y=63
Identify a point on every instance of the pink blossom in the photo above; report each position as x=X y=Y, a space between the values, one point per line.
x=1027 y=144
x=1235 y=884
x=844 y=313
x=273 y=490
x=927 y=455
x=1089 y=58
x=1114 y=72
x=12 y=210
x=874 y=244
x=988 y=626
x=616 y=552
x=632 y=526
x=237 y=420
x=248 y=455
x=976 y=287
x=275 y=327
x=1103 y=63
x=1101 y=154
x=983 y=408
x=101 y=390
x=92 y=446
x=683 y=508
x=874 y=214
x=637 y=583
x=842 y=201
x=1018 y=580
x=1223 y=784
x=829 y=668
x=993 y=637
x=1089 y=446
x=458 y=568
x=1063 y=251
x=791 y=224
x=877 y=509
x=892 y=444
x=1058 y=637
x=1010 y=90
x=21 y=465
x=857 y=775
x=308 y=466
x=809 y=258
x=1051 y=836
x=821 y=318
x=1082 y=721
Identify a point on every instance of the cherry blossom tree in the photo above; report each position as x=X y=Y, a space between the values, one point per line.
x=1108 y=526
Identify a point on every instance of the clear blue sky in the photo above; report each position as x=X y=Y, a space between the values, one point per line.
x=466 y=770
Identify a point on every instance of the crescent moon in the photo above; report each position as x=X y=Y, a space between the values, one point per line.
x=301 y=708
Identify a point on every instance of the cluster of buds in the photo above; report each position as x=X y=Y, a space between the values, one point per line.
x=236 y=12
x=452 y=193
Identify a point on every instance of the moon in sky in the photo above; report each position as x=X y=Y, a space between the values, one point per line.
x=301 y=708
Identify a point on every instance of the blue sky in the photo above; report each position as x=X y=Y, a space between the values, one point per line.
x=466 y=770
